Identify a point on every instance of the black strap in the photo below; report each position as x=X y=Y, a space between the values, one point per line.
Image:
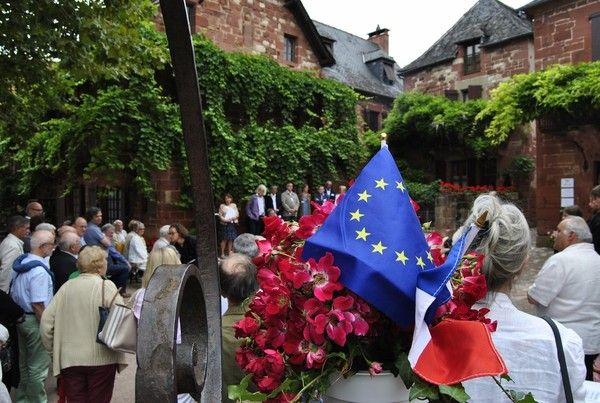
x=561 y=360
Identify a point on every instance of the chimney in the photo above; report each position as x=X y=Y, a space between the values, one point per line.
x=380 y=37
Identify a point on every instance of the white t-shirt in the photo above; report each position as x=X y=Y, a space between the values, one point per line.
x=568 y=290
x=528 y=348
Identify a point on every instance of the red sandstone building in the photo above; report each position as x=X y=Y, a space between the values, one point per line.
x=282 y=30
x=565 y=32
x=488 y=45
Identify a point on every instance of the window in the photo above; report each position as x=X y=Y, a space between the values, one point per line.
x=372 y=120
x=290 y=48
x=191 y=14
x=595 y=22
x=472 y=60
x=388 y=73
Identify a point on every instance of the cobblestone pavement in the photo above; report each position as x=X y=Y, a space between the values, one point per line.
x=124 y=391
x=519 y=291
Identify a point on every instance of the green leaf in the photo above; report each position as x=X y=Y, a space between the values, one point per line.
x=521 y=397
x=456 y=392
x=506 y=377
x=423 y=390
x=241 y=393
x=405 y=370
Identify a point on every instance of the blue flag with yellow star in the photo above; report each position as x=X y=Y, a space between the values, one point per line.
x=379 y=246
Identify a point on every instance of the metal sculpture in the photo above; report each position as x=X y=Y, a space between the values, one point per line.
x=166 y=368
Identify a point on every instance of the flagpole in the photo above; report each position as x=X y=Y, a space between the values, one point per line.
x=383 y=137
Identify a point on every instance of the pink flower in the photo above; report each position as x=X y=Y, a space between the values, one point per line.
x=375 y=368
x=325 y=276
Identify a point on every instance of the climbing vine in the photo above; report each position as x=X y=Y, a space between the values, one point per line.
x=265 y=124
x=570 y=92
x=428 y=120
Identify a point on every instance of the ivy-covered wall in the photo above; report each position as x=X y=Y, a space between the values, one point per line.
x=266 y=124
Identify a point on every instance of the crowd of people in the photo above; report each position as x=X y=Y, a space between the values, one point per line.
x=288 y=204
x=49 y=275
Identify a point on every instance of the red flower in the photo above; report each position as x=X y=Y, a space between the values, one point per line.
x=324 y=276
x=473 y=289
x=338 y=322
x=246 y=327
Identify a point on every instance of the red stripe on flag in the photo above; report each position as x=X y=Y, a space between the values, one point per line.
x=458 y=351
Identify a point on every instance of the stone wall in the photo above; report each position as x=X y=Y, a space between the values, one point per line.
x=498 y=63
x=572 y=153
x=253 y=26
x=562 y=32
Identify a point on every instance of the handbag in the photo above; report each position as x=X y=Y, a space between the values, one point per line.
x=561 y=359
x=119 y=330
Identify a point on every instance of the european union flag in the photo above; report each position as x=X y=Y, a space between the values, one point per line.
x=377 y=241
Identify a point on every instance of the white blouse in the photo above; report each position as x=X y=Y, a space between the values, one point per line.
x=527 y=346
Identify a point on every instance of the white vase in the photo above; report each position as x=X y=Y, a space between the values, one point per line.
x=364 y=388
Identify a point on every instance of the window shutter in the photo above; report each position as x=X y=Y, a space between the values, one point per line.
x=452 y=95
x=475 y=91
x=595 y=21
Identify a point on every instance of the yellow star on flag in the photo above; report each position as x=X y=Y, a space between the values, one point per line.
x=380 y=184
x=420 y=262
x=378 y=247
x=356 y=215
x=362 y=234
x=364 y=196
x=400 y=185
x=429 y=256
x=401 y=257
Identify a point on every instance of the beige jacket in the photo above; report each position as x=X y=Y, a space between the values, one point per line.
x=70 y=323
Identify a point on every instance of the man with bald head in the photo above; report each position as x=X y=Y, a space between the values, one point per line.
x=63 y=261
x=32 y=290
x=80 y=225
x=34 y=209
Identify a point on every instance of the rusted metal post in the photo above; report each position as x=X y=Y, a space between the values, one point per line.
x=192 y=294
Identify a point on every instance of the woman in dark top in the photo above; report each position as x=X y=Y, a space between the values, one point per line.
x=184 y=243
x=10 y=315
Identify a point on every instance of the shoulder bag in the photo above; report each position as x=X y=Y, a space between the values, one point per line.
x=117 y=329
x=561 y=359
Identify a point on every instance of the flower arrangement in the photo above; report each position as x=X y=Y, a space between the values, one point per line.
x=303 y=327
x=449 y=187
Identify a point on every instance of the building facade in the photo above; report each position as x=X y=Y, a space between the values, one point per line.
x=568 y=152
x=282 y=30
x=489 y=44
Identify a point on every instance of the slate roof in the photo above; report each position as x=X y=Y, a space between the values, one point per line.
x=534 y=3
x=489 y=20
x=352 y=53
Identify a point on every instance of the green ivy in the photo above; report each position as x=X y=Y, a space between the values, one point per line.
x=265 y=124
x=568 y=91
x=427 y=119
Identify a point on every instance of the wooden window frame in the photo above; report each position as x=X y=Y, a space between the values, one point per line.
x=290 y=48
x=472 y=58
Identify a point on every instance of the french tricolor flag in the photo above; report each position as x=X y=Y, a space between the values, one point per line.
x=452 y=351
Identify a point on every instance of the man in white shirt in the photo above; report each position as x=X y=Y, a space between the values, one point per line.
x=567 y=287
x=32 y=290
x=11 y=247
x=163 y=238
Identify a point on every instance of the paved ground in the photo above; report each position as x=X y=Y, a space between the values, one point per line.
x=124 y=391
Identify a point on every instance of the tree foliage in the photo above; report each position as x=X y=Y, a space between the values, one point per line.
x=569 y=91
x=268 y=124
x=428 y=120
x=108 y=120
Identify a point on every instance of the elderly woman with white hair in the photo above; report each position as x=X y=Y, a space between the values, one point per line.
x=255 y=210
x=525 y=342
x=69 y=327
